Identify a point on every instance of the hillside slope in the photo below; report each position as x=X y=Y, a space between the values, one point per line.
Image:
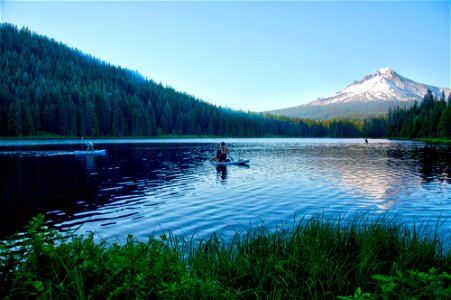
x=49 y=88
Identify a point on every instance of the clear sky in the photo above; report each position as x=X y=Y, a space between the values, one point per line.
x=252 y=55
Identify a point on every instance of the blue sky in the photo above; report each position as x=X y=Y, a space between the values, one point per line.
x=252 y=55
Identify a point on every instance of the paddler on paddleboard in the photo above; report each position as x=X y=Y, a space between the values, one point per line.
x=224 y=152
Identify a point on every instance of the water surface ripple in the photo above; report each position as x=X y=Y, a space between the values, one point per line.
x=144 y=187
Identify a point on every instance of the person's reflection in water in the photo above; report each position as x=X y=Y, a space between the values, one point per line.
x=90 y=164
x=222 y=173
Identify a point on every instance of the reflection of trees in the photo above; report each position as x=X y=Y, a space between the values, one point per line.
x=68 y=184
x=435 y=162
x=38 y=184
x=432 y=162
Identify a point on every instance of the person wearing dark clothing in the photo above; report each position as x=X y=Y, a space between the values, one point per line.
x=224 y=152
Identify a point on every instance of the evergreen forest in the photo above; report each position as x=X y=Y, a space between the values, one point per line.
x=431 y=118
x=48 y=88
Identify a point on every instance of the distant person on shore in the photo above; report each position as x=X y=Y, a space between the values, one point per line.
x=366 y=141
x=224 y=152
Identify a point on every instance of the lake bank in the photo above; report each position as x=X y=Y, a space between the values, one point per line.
x=315 y=259
x=434 y=141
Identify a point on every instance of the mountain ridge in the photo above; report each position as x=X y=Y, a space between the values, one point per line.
x=374 y=94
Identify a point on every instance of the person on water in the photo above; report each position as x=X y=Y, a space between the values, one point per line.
x=89 y=146
x=224 y=152
x=217 y=157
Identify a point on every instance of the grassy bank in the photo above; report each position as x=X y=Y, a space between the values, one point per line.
x=310 y=259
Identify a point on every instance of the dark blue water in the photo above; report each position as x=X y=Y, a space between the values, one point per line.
x=143 y=187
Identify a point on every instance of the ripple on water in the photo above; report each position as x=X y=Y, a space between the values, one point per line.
x=150 y=186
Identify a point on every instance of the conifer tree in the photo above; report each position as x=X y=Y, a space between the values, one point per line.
x=15 y=119
x=151 y=117
x=444 y=126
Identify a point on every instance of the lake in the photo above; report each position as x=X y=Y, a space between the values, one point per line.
x=145 y=187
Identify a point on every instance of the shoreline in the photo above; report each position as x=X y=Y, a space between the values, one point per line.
x=437 y=141
x=315 y=259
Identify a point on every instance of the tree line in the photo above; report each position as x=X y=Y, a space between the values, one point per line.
x=431 y=118
x=49 y=88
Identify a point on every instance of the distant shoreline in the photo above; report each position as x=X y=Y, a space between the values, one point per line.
x=437 y=141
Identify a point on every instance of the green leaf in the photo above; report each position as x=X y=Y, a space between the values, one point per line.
x=388 y=287
x=382 y=278
x=38 y=285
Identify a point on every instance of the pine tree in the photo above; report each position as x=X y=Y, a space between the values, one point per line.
x=151 y=122
x=169 y=119
x=444 y=126
x=164 y=125
x=178 y=127
x=15 y=127
x=27 y=120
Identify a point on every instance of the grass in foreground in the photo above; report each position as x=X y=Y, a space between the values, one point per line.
x=313 y=259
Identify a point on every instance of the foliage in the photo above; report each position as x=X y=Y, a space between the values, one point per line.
x=430 y=119
x=314 y=259
x=49 y=88
x=409 y=285
x=47 y=265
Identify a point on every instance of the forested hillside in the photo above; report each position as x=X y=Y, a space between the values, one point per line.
x=431 y=118
x=48 y=88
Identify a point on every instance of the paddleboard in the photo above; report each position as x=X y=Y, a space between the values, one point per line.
x=228 y=163
x=92 y=152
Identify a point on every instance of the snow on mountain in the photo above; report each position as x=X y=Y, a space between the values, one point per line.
x=374 y=94
x=384 y=84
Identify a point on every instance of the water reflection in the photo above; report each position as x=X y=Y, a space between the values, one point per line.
x=144 y=187
x=221 y=172
x=435 y=163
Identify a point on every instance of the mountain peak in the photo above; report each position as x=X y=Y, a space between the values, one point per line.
x=386 y=70
x=383 y=85
x=375 y=92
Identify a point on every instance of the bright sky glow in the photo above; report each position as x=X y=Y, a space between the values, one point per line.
x=252 y=55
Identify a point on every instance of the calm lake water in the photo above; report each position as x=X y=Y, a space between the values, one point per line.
x=143 y=187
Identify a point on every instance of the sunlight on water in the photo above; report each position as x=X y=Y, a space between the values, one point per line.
x=144 y=187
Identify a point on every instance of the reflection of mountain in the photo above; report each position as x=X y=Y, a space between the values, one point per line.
x=386 y=176
x=379 y=179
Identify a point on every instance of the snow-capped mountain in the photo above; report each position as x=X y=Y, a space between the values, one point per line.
x=384 y=84
x=375 y=93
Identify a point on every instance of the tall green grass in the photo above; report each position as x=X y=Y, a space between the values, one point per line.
x=316 y=258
